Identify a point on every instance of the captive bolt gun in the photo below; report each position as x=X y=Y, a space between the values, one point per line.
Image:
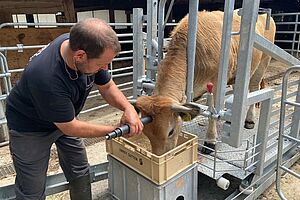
x=125 y=129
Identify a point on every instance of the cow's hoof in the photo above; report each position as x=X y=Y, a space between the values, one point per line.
x=257 y=105
x=206 y=150
x=249 y=125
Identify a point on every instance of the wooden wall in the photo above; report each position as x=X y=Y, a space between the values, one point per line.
x=10 y=37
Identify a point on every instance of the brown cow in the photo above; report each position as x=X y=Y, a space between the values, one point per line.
x=169 y=92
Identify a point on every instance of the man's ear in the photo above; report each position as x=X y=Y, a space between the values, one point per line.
x=80 y=55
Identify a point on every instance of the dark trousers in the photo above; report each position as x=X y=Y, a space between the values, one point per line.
x=31 y=151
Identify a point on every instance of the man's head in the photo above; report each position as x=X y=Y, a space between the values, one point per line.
x=94 y=44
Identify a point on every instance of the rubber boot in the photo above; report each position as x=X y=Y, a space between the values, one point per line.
x=80 y=188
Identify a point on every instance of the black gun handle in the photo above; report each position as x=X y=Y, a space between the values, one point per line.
x=125 y=129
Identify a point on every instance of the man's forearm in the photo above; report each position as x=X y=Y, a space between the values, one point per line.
x=84 y=129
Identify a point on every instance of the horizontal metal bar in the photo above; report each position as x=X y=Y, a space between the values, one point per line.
x=5 y=75
x=285 y=14
x=3 y=97
x=94 y=108
x=98 y=107
x=252 y=156
x=259 y=95
x=121 y=69
x=58 y=183
x=290 y=84
x=21 y=48
x=272 y=145
x=123 y=58
x=125 y=52
x=285 y=41
x=269 y=48
x=287 y=23
x=250 y=166
x=275 y=113
x=278 y=99
x=126 y=42
x=122 y=75
x=35 y=24
x=292 y=103
x=125 y=34
x=289 y=32
x=16 y=70
x=292 y=138
x=276 y=122
x=290 y=171
x=230 y=160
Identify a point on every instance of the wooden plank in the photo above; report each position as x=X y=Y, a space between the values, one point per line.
x=29 y=36
x=69 y=11
x=5 y=16
x=32 y=6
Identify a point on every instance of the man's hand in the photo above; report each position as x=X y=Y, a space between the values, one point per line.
x=131 y=118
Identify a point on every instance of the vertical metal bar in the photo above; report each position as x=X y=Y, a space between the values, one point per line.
x=262 y=133
x=294 y=36
x=298 y=46
x=168 y=12
x=281 y=132
x=161 y=15
x=247 y=33
x=295 y=129
x=224 y=57
x=138 y=50
x=4 y=68
x=151 y=34
x=192 y=33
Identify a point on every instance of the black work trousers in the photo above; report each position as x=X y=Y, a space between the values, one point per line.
x=30 y=153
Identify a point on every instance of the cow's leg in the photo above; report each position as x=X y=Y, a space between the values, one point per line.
x=254 y=85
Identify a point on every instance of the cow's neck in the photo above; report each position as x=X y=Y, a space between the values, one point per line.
x=171 y=80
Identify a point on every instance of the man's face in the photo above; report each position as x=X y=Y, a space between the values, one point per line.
x=92 y=66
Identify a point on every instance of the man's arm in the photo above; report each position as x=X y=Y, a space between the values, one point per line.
x=79 y=128
x=111 y=93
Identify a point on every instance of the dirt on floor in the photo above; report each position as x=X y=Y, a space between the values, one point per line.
x=97 y=153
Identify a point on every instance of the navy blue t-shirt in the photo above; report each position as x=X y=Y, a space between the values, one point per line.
x=49 y=91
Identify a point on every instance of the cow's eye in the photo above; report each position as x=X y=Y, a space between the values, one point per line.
x=171 y=132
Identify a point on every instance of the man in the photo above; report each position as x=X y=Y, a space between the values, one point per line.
x=42 y=107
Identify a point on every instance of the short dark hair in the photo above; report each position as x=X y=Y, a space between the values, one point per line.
x=93 y=35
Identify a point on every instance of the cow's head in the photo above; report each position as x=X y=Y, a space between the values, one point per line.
x=167 y=120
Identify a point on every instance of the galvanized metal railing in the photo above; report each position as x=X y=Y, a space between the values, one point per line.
x=294 y=136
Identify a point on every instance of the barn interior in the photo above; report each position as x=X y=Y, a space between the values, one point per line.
x=70 y=11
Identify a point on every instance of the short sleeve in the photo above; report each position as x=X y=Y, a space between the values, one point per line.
x=102 y=77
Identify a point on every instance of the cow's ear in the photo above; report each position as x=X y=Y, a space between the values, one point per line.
x=186 y=117
x=186 y=112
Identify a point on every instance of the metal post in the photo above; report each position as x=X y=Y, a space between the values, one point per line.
x=192 y=34
x=161 y=14
x=295 y=129
x=298 y=46
x=294 y=36
x=224 y=58
x=151 y=34
x=4 y=68
x=247 y=33
x=138 y=50
x=262 y=133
